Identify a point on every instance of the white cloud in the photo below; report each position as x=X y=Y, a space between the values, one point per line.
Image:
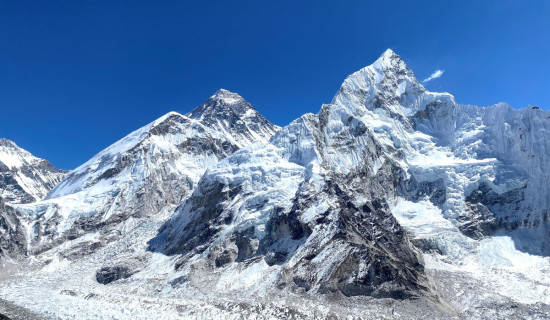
x=435 y=75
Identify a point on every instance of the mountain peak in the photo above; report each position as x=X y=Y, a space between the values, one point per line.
x=389 y=60
x=167 y=117
x=13 y=156
x=227 y=97
x=222 y=104
x=388 y=84
x=388 y=65
x=389 y=53
x=231 y=114
x=7 y=143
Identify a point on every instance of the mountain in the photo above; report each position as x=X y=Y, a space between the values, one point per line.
x=234 y=117
x=310 y=210
x=140 y=175
x=25 y=178
x=390 y=202
x=341 y=200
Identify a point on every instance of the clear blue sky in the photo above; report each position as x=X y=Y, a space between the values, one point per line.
x=76 y=76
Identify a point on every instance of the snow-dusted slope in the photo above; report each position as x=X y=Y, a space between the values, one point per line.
x=23 y=177
x=151 y=168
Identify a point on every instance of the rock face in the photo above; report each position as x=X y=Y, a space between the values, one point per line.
x=140 y=175
x=12 y=232
x=23 y=177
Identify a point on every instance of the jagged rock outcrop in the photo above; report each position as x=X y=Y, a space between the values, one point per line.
x=13 y=236
x=107 y=275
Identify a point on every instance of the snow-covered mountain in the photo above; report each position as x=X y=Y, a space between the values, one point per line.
x=390 y=202
x=228 y=113
x=321 y=208
x=140 y=175
x=25 y=178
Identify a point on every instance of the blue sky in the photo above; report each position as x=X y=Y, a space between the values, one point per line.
x=75 y=76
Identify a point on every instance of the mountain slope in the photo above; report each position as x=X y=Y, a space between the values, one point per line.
x=152 y=168
x=25 y=178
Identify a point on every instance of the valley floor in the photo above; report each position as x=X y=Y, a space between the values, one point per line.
x=9 y=310
x=52 y=286
x=61 y=289
x=65 y=295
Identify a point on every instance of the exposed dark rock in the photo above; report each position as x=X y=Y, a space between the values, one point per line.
x=10 y=310
x=489 y=211
x=246 y=244
x=272 y=258
x=381 y=261
x=91 y=296
x=228 y=112
x=12 y=234
x=179 y=281
x=435 y=190
x=209 y=202
x=69 y=293
x=107 y=275
x=224 y=258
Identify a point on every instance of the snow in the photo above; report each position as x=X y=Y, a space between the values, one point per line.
x=258 y=272
x=493 y=261
x=261 y=172
x=12 y=160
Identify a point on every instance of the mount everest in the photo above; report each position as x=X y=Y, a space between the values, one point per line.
x=390 y=202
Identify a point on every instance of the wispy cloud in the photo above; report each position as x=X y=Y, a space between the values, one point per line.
x=435 y=75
